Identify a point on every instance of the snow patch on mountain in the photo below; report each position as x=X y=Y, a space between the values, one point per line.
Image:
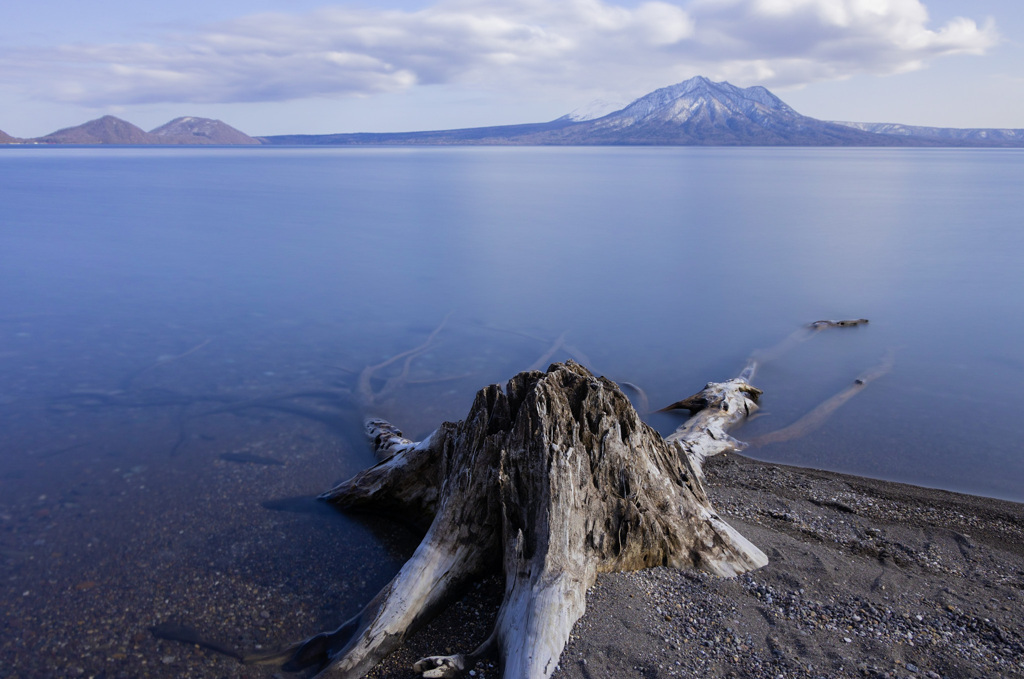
x=941 y=133
x=598 y=108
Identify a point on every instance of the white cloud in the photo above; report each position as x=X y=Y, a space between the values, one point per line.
x=576 y=46
x=790 y=42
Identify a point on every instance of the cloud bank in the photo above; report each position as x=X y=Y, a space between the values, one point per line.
x=568 y=45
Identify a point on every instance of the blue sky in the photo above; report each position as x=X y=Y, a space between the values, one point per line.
x=308 y=66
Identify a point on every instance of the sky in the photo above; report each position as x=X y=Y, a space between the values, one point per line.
x=315 y=66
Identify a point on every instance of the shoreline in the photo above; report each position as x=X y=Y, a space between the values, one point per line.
x=866 y=578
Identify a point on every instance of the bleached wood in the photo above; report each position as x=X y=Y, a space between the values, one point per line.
x=554 y=480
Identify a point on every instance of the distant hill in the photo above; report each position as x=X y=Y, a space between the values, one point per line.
x=6 y=138
x=501 y=134
x=696 y=112
x=956 y=135
x=190 y=130
x=105 y=130
x=180 y=131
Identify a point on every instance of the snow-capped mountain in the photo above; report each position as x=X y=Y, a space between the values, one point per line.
x=694 y=112
x=700 y=99
x=699 y=111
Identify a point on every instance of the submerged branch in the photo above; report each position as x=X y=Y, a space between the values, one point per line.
x=817 y=417
x=366 y=392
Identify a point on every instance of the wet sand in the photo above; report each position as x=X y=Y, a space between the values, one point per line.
x=867 y=578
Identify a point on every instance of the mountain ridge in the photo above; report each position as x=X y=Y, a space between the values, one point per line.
x=695 y=112
x=992 y=134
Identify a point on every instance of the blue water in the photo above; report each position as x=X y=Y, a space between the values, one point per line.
x=140 y=274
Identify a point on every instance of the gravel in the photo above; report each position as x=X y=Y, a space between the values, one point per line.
x=866 y=578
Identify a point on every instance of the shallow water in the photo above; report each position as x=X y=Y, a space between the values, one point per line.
x=165 y=313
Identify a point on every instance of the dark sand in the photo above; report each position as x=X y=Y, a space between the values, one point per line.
x=867 y=578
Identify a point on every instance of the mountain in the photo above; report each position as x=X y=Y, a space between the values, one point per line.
x=694 y=112
x=955 y=135
x=701 y=112
x=7 y=139
x=190 y=130
x=180 y=131
x=105 y=130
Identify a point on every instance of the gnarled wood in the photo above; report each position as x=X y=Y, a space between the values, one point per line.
x=555 y=479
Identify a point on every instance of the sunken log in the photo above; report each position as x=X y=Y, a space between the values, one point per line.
x=553 y=480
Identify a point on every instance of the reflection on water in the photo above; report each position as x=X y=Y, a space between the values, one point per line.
x=182 y=333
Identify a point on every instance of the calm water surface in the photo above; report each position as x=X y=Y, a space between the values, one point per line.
x=290 y=268
x=181 y=332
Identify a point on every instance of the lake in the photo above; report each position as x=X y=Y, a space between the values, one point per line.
x=182 y=329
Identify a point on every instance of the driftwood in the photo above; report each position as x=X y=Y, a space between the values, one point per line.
x=554 y=480
x=816 y=417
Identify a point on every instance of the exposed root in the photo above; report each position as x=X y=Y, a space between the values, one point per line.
x=440 y=380
x=162 y=360
x=849 y=323
x=545 y=358
x=817 y=417
x=368 y=395
x=573 y=351
x=802 y=335
x=555 y=479
x=442 y=666
x=718 y=407
x=645 y=403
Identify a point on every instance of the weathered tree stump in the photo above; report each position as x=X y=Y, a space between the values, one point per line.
x=555 y=480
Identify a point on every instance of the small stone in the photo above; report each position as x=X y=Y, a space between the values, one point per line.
x=911 y=667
